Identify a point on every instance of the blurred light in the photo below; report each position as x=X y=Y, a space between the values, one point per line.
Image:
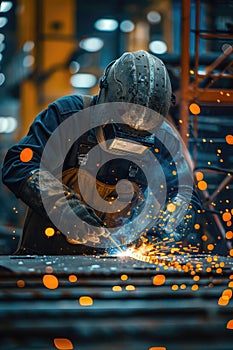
x=2 y=46
x=2 y=37
x=74 y=67
x=28 y=61
x=6 y=6
x=106 y=24
x=3 y=21
x=1 y=57
x=127 y=26
x=28 y=46
x=153 y=17
x=2 y=78
x=195 y=108
x=3 y=124
x=83 y=80
x=91 y=44
x=201 y=70
x=11 y=125
x=158 y=46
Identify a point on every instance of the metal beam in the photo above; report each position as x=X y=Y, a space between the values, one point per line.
x=185 y=45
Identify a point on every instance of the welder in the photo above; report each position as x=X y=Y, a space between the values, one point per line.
x=139 y=83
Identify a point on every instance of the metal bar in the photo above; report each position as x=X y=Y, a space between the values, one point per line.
x=221 y=186
x=185 y=56
x=216 y=35
x=197 y=24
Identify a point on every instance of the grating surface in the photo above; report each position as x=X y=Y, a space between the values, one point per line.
x=32 y=315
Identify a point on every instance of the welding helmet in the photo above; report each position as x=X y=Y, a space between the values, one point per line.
x=140 y=82
x=140 y=78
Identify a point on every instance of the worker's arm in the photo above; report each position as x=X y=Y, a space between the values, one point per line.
x=30 y=183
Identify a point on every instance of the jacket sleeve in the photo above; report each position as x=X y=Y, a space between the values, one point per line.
x=14 y=171
x=30 y=181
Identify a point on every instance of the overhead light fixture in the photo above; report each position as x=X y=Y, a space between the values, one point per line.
x=2 y=37
x=3 y=124
x=6 y=6
x=74 y=67
x=8 y=125
x=2 y=46
x=2 y=78
x=158 y=47
x=106 y=25
x=91 y=44
x=83 y=80
x=28 y=61
x=153 y=17
x=3 y=21
x=127 y=26
x=28 y=46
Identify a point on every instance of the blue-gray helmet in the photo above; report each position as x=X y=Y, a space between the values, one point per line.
x=140 y=78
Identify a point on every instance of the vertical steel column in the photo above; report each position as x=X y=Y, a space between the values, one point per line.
x=185 y=55
x=26 y=31
x=197 y=37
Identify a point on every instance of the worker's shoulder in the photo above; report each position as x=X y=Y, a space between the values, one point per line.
x=69 y=104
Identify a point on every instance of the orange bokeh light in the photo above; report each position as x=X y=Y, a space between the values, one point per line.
x=159 y=280
x=230 y=324
x=49 y=231
x=116 y=288
x=202 y=185
x=210 y=246
x=26 y=155
x=223 y=301
x=227 y=293
x=20 y=283
x=171 y=207
x=50 y=281
x=63 y=344
x=199 y=175
x=204 y=238
x=124 y=277
x=130 y=287
x=195 y=287
x=229 y=139
x=229 y=235
x=226 y=216
x=73 y=278
x=194 y=108
x=85 y=301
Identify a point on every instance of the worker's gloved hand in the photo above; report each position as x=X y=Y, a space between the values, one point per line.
x=89 y=226
x=65 y=205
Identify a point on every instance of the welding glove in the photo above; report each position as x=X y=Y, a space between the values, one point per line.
x=56 y=196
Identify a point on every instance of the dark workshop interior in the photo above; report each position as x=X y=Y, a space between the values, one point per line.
x=169 y=301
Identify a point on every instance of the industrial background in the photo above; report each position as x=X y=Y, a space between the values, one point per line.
x=51 y=48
